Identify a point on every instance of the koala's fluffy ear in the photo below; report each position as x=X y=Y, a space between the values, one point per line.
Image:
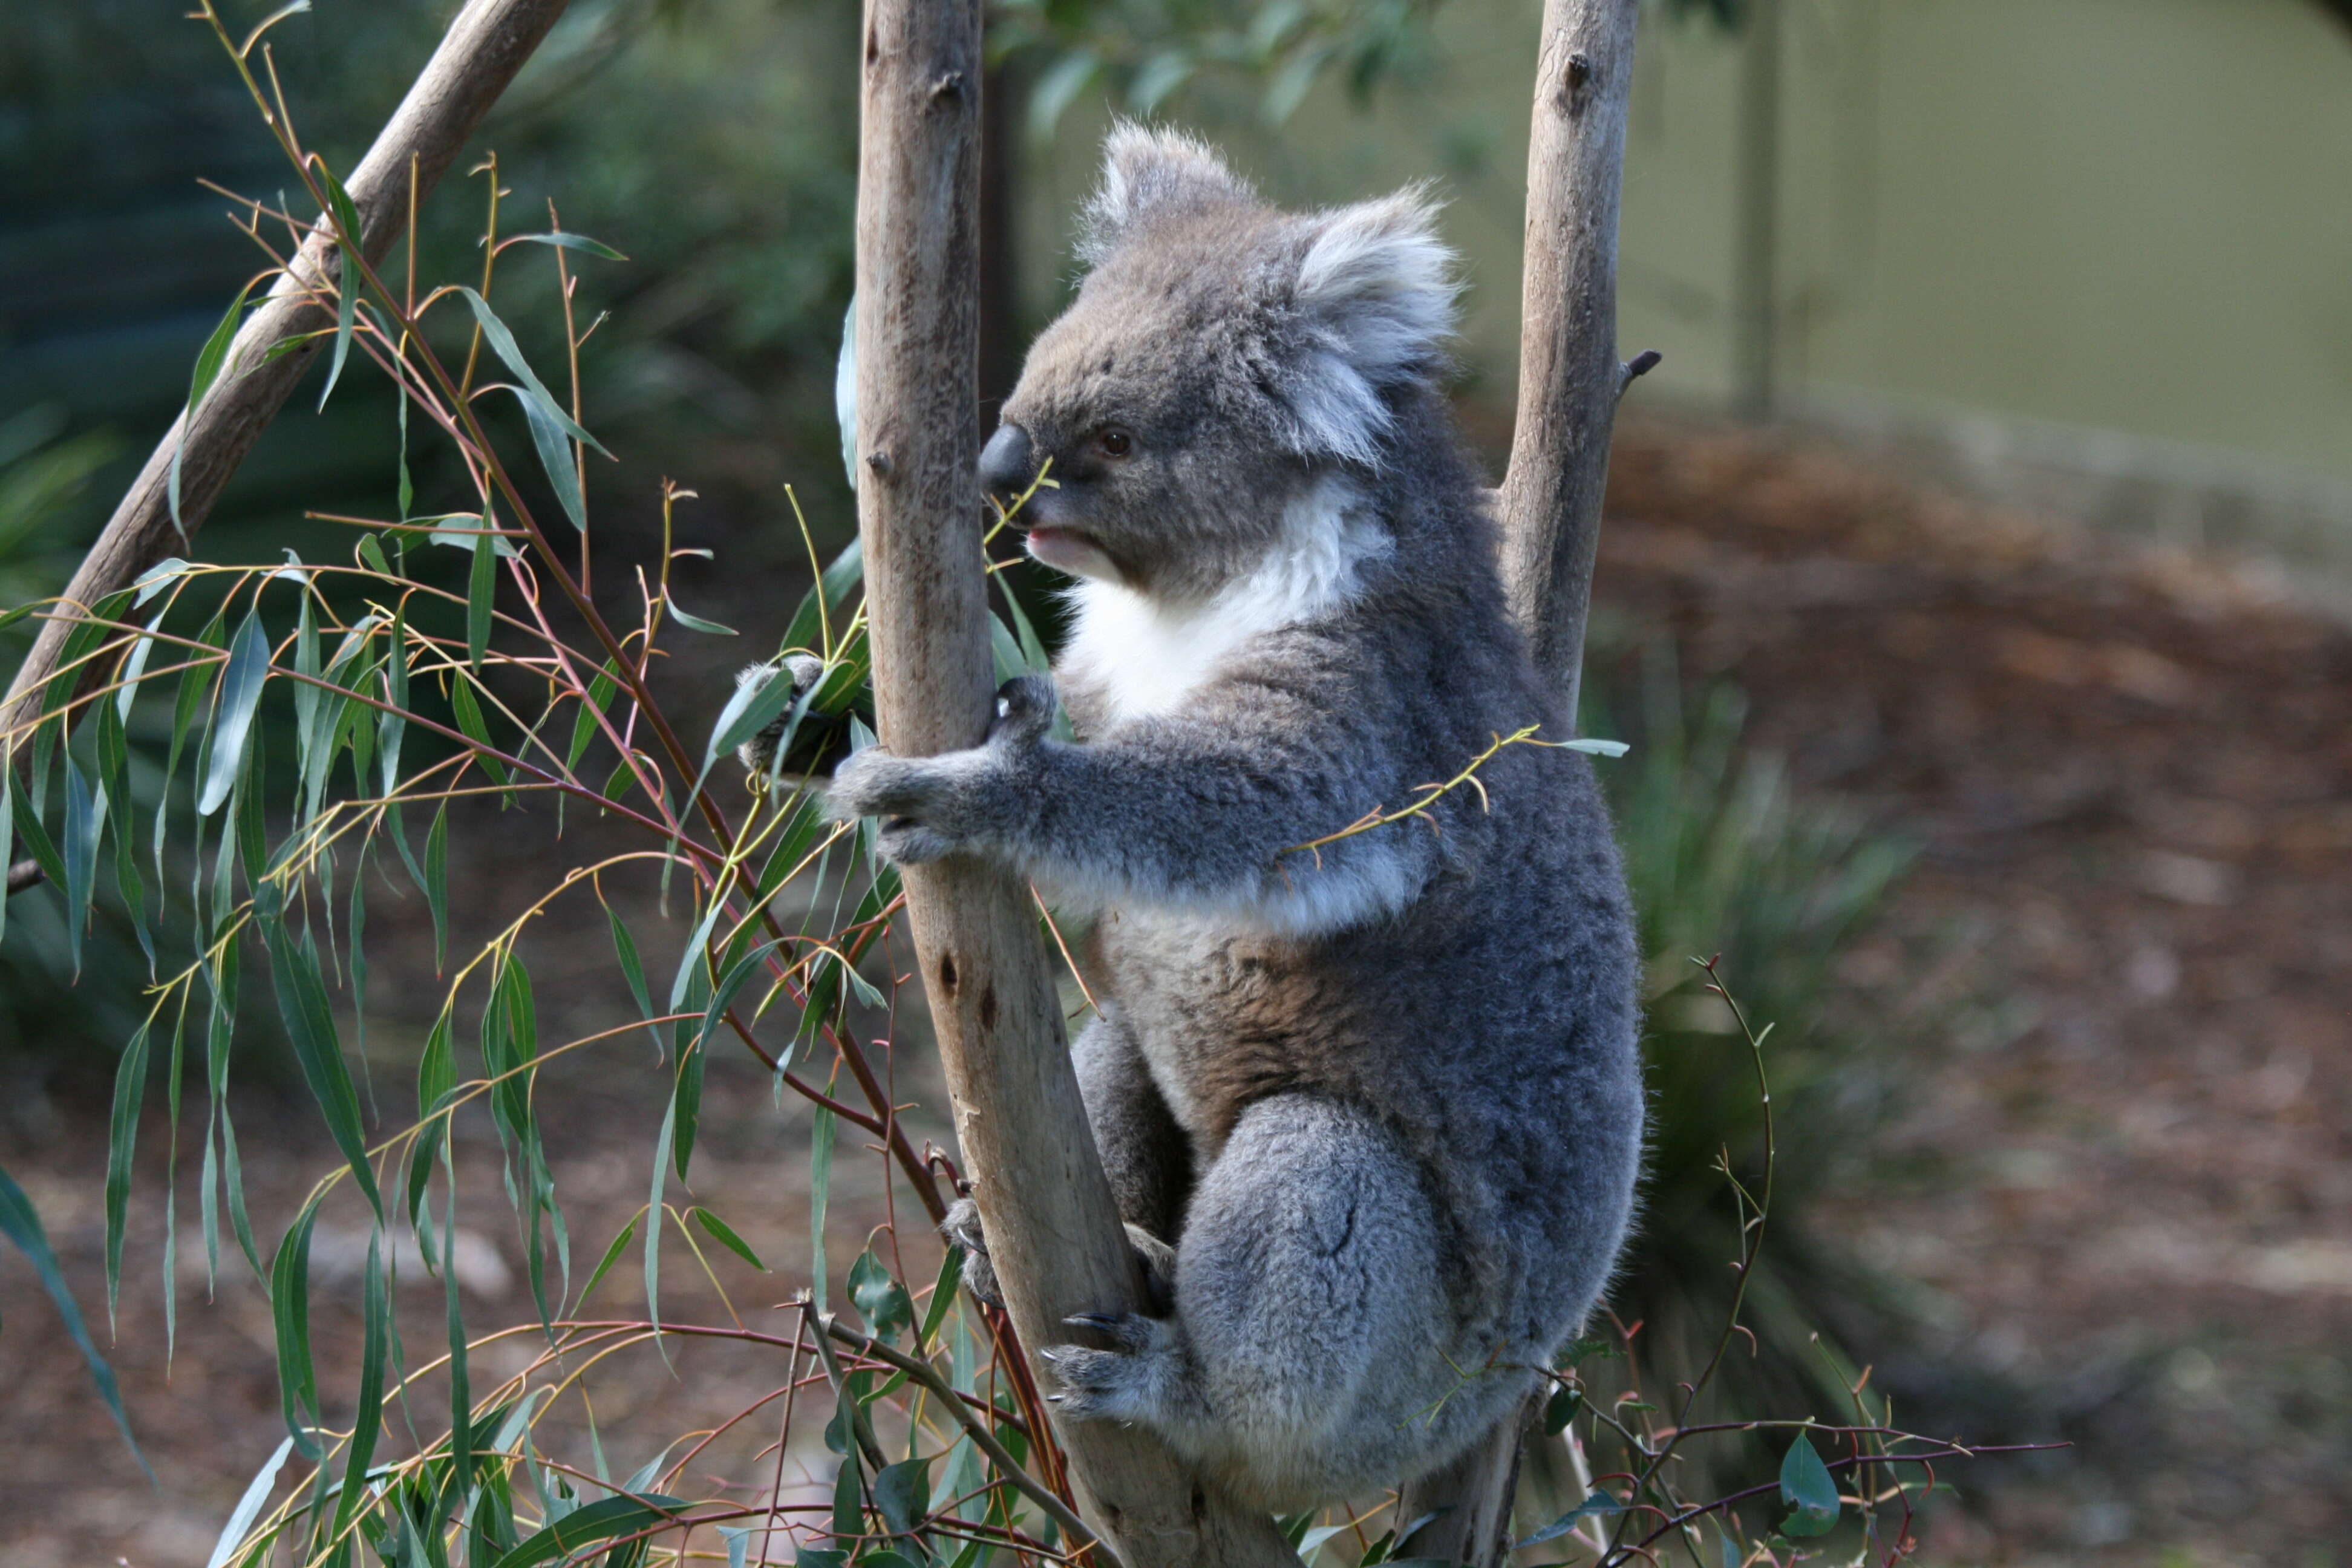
x=1375 y=293
x=1145 y=169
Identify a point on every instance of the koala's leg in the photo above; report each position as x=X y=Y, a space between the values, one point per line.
x=1145 y=1155
x=1310 y=1329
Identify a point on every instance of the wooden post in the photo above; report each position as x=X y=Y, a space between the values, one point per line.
x=1052 y=1227
x=1550 y=512
x=484 y=48
x=1756 y=243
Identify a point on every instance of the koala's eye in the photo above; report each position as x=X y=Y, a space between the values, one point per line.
x=1114 y=442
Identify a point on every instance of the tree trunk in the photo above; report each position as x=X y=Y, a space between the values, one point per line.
x=486 y=44
x=1053 y=1227
x=1568 y=373
x=1550 y=512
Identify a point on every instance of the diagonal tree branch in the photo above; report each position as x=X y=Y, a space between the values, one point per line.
x=1054 y=1229
x=484 y=48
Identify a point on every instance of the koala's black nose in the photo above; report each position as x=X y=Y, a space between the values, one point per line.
x=1008 y=462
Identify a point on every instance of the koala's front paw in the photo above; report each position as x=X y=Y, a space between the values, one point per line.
x=930 y=807
x=816 y=741
x=1137 y=1379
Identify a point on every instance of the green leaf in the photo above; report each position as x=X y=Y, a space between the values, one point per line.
x=461 y=1407
x=21 y=1224
x=437 y=884
x=878 y=1296
x=821 y=1133
x=848 y=569
x=481 y=585
x=694 y=623
x=289 y=1308
x=726 y=1236
x=232 y=726
x=612 y=1255
x=599 y=1520
x=85 y=828
x=849 y=1497
x=377 y=1316
x=1599 y=1505
x=750 y=710
x=436 y=1076
x=584 y=722
x=248 y=1508
x=347 y=241
x=1807 y=1487
x=209 y=359
x=555 y=457
x=157 y=578
x=310 y=1027
x=570 y=241
x=37 y=843
x=1560 y=1409
x=468 y=539
x=502 y=343
x=653 y=1220
x=901 y=1490
x=687 y=1102
x=121 y=1144
x=944 y=1293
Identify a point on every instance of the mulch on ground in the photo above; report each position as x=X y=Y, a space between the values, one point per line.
x=2130 y=772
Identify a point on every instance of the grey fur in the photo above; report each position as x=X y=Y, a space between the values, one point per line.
x=1383 y=1097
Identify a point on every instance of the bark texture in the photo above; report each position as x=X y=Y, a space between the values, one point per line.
x=1568 y=373
x=484 y=48
x=1054 y=1230
x=1549 y=510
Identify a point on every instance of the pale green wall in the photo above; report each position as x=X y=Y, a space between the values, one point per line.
x=2123 y=215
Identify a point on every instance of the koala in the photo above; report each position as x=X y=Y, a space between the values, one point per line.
x=1371 y=1104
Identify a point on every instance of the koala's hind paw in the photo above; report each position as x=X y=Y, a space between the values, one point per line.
x=963 y=1227
x=1137 y=1381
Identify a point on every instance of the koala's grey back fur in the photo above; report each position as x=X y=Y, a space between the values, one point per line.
x=1383 y=1096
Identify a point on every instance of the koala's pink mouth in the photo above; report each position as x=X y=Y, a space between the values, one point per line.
x=1068 y=550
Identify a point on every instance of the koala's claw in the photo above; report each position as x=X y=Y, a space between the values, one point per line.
x=1128 y=1330
x=1024 y=711
x=1133 y=1382
x=906 y=842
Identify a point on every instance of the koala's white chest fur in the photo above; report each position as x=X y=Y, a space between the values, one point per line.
x=1146 y=659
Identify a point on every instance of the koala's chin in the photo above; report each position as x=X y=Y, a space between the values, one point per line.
x=1365 y=1088
x=1066 y=549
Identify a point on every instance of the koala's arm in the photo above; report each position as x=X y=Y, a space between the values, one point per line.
x=1201 y=808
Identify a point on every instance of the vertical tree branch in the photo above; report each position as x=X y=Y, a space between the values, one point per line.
x=1568 y=373
x=1054 y=1229
x=1550 y=512
x=484 y=48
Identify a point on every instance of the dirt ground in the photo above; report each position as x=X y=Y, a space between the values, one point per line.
x=2119 y=1190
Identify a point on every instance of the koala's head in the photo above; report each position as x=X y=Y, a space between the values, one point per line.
x=1221 y=359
